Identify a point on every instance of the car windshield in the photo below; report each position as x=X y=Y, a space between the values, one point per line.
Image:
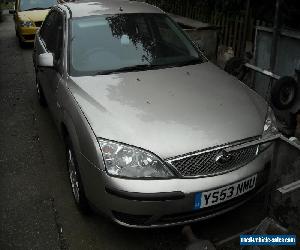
x=36 y=4
x=128 y=42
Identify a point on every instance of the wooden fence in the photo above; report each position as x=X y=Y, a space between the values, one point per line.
x=234 y=32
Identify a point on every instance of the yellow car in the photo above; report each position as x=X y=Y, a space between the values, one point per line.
x=29 y=16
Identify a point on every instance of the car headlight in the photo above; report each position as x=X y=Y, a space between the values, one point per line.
x=26 y=24
x=126 y=161
x=270 y=128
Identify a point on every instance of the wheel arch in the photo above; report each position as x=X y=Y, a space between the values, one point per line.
x=67 y=130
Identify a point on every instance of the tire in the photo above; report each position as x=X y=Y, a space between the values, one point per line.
x=284 y=92
x=75 y=180
x=40 y=93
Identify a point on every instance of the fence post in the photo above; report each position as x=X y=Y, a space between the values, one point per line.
x=226 y=30
x=245 y=28
x=230 y=35
x=236 y=23
x=241 y=22
x=223 y=20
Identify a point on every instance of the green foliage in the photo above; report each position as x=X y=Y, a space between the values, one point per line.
x=6 y=5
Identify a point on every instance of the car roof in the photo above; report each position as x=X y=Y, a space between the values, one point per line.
x=83 y=8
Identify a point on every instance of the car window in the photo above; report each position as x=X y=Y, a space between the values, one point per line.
x=111 y=42
x=168 y=36
x=52 y=33
x=25 y=5
x=44 y=31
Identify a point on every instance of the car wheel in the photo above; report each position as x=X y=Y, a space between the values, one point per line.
x=75 y=179
x=283 y=93
x=40 y=93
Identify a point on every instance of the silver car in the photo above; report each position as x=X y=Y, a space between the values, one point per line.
x=145 y=117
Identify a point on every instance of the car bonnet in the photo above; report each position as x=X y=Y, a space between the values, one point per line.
x=170 y=111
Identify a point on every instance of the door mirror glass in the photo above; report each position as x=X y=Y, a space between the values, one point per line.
x=45 y=60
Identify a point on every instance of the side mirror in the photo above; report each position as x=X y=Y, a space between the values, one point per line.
x=46 y=60
x=12 y=11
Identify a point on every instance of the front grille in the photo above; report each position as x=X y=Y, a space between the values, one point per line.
x=38 y=24
x=205 y=164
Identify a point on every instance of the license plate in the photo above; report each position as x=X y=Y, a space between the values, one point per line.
x=216 y=196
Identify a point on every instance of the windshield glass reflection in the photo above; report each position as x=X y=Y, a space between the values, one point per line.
x=128 y=42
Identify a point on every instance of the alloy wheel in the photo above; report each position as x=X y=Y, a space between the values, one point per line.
x=73 y=175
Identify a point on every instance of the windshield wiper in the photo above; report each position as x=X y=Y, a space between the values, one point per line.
x=138 y=67
x=141 y=67
x=189 y=62
x=37 y=8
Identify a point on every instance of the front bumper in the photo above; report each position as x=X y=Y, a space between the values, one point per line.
x=159 y=203
x=27 y=34
x=168 y=217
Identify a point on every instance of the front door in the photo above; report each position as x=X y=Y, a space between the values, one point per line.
x=50 y=40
